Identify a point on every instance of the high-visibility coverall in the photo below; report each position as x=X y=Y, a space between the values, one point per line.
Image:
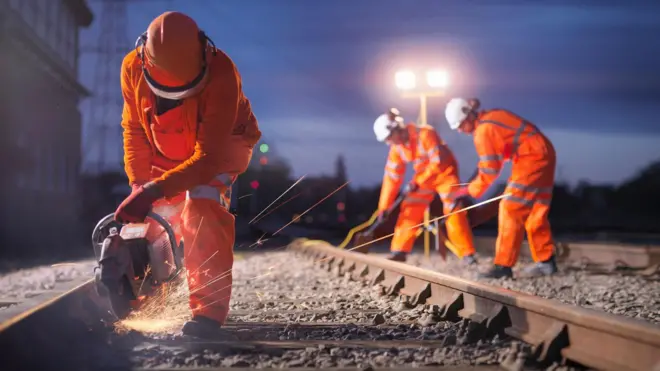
x=500 y=136
x=436 y=171
x=194 y=149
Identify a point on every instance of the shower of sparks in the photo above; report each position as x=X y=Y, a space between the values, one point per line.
x=163 y=313
x=280 y=196
x=313 y=206
x=168 y=309
x=247 y=195
x=261 y=241
x=278 y=206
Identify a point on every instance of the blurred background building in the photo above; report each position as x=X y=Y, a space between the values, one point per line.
x=41 y=123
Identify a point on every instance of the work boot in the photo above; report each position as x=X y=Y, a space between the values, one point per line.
x=397 y=256
x=497 y=271
x=469 y=260
x=544 y=268
x=205 y=328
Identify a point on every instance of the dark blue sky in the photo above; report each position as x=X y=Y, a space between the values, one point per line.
x=319 y=72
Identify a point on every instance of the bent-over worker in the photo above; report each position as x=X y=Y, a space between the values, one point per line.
x=500 y=135
x=188 y=133
x=436 y=171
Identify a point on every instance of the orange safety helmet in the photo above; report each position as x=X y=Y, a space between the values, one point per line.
x=173 y=52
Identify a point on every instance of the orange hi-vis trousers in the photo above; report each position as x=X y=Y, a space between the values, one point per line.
x=411 y=216
x=203 y=221
x=436 y=171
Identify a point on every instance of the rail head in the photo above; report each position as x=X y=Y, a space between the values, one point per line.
x=578 y=324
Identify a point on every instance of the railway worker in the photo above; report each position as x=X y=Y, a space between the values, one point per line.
x=436 y=171
x=499 y=136
x=188 y=133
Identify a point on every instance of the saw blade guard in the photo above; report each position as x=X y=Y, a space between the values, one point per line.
x=164 y=260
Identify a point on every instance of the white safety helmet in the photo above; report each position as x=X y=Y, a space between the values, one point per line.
x=457 y=110
x=386 y=122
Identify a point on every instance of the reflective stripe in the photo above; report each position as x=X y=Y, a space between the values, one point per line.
x=392 y=175
x=530 y=189
x=420 y=149
x=225 y=179
x=518 y=132
x=528 y=202
x=402 y=153
x=533 y=193
x=516 y=137
x=393 y=165
x=489 y=170
x=519 y=200
x=207 y=192
x=490 y=158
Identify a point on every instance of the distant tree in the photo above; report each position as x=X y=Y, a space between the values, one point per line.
x=641 y=194
x=340 y=169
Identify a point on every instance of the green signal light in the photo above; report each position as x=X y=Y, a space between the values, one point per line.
x=263 y=148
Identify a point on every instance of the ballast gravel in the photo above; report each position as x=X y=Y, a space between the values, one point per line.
x=620 y=293
x=31 y=282
x=278 y=297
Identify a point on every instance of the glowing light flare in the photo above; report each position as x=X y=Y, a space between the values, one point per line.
x=263 y=160
x=405 y=80
x=254 y=184
x=341 y=206
x=341 y=218
x=263 y=148
x=437 y=78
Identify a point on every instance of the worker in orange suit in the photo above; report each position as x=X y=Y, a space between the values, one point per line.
x=436 y=171
x=188 y=133
x=499 y=136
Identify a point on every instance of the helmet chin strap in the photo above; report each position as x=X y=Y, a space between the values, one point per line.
x=182 y=91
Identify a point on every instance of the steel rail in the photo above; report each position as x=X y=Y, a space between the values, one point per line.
x=557 y=331
x=38 y=334
x=633 y=256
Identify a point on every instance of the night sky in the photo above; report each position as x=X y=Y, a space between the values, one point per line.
x=318 y=72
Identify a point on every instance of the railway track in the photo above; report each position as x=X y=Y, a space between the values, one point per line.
x=370 y=313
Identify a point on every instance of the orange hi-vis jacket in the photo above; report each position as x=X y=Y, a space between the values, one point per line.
x=503 y=136
x=431 y=158
x=192 y=148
